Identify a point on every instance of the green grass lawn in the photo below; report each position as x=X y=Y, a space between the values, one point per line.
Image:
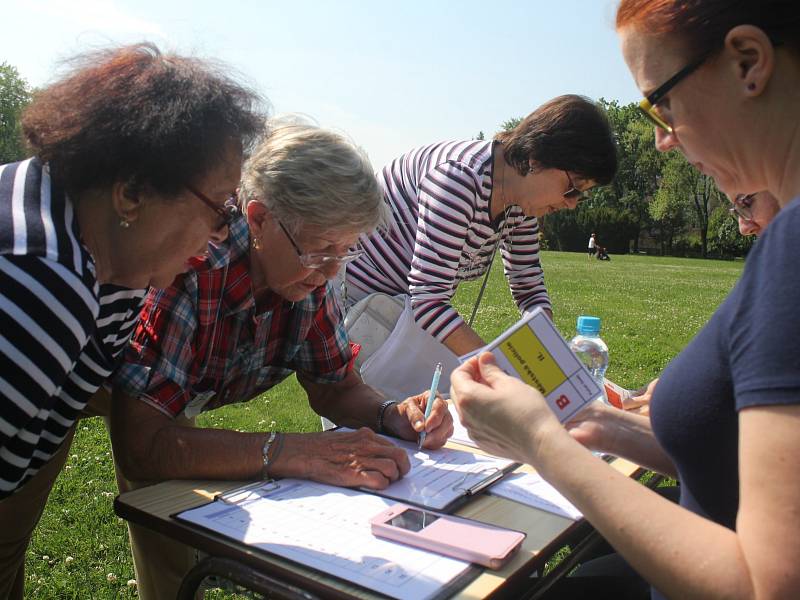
x=650 y=308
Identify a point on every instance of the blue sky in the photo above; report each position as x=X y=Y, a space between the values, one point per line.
x=393 y=75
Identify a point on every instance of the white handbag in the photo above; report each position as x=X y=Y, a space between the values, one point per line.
x=397 y=356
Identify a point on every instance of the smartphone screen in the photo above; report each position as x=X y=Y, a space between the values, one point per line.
x=413 y=519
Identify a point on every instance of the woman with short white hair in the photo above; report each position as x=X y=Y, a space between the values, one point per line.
x=248 y=314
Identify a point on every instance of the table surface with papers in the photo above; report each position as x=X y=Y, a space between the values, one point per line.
x=155 y=506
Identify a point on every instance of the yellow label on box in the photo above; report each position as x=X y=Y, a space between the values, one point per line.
x=533 y=362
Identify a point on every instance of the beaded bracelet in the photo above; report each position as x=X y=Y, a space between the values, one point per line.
x=381 y=412
x=265 y=454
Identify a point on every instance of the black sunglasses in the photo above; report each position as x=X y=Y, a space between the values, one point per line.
x=649 y=105
x=227 y=211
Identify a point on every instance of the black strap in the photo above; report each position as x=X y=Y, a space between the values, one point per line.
x=496 y=226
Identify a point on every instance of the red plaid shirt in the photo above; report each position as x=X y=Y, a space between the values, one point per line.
x=200 y=344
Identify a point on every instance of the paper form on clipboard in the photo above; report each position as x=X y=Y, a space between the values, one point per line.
x=442 y=479
x=327 y=528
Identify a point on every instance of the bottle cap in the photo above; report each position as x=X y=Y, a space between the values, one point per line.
x=587 y=325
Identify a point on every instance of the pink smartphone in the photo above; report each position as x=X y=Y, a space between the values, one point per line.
x=457 y=537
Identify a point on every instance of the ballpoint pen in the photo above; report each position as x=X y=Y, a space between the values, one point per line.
x=431 y=397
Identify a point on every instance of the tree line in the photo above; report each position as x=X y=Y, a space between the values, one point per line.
x=658 y=203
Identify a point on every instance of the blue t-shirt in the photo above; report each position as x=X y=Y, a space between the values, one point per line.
x=746 y=355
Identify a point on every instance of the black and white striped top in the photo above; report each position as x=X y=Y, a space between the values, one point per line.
x=60 y=331
x=442 y=234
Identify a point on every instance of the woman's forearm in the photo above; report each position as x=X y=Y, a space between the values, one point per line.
x=680 y=553
x=463 y=340
x=348 y=403
x=180 y=452
x=632 y=438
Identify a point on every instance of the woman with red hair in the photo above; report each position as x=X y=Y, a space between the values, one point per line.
x=721 y=80
x=135 y=154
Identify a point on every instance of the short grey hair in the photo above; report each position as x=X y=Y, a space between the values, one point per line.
x=307 y=175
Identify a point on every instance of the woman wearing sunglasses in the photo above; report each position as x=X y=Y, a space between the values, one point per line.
x=454 y=203
x=248 y=314
x=101 y=211
x=725 y=414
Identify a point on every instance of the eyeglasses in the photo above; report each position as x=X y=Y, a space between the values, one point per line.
x=574 y=192
x=227 y=211
x=742 y=207
x=649 y=106
x=319 y=260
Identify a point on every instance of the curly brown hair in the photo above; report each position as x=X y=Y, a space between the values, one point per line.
x=137 y=115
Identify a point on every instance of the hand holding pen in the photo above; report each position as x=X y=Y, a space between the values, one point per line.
x=437 y=373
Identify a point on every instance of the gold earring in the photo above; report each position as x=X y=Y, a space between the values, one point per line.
x=124 y=224
x=256 y=243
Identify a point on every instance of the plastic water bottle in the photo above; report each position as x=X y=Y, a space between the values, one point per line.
x=591 y=349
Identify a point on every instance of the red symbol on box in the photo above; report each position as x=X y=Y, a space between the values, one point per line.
x=562 y=402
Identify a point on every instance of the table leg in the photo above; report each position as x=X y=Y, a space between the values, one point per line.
x=241 y=575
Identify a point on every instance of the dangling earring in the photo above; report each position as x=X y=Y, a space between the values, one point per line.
x=124 y=224
x=256 y=243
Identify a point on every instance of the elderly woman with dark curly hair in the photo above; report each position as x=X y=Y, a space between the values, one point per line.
x=134 y=156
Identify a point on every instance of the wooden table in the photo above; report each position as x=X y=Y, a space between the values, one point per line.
x=153 y=506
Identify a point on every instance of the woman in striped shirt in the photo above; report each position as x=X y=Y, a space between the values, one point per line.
x=453 y=201
x=135 y=155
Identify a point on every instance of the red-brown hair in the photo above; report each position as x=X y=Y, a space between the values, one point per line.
x=703 y=24
x=133 y=114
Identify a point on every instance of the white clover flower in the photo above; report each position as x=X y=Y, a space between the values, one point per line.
x=131 y=583
x=111 y=578
x=68 y=560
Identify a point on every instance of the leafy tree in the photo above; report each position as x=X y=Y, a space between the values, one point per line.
x=14 y=96
x=480 y=136
x=509 y=124
x=639 y=167
x=669 y=207
x=724 y=239
x=682 y=182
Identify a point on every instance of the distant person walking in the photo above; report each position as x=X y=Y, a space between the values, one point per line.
x=592 y=246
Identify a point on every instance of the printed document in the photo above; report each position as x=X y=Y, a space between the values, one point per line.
x=440 y=477
x=327 y=528
x=532 y=490
x=533 y=350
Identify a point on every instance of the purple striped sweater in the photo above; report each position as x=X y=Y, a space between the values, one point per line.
x=442 y=234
